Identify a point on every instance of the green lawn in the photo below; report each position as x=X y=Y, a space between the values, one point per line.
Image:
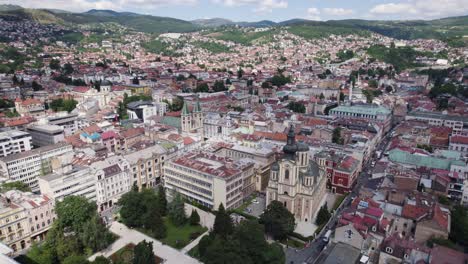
x=194 y=252
x=179 y=237
x=338 y=201
x=294 y=243
x=125 y=255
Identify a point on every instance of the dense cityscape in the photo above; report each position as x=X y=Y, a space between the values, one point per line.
x=128 y=138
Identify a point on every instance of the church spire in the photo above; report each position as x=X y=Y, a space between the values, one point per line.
x=185 y=110
x=197 y=105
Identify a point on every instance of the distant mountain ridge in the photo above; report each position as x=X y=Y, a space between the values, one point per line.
x=445 y=28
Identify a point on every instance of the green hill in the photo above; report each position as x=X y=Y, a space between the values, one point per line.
x=144 y=23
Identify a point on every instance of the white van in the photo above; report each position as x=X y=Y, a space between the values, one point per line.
x=326 y=237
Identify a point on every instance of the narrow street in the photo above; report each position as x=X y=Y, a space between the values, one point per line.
x=315 y=247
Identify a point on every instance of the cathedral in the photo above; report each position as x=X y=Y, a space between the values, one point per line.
x=192 y=122
x=297 y=181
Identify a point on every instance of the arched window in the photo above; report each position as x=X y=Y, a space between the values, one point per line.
x=286 y=174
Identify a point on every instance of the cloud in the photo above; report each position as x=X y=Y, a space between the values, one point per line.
x=313 y=13
x=260 y=6
x=85 y=5
x=338 y=11
x=415 y=9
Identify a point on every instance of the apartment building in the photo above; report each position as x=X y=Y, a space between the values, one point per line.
x=14 y=141
x=209 y=179
x=112 y=179
x=71 y=180
x=24 y=219
x=44 y=135
x=146 y=166
x=29 y=165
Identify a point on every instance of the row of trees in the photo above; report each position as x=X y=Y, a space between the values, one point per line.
x=297 y=107
x=244 y=243
x=218 y=86
x=145 y=209
x=77 y=232
x=63 y=105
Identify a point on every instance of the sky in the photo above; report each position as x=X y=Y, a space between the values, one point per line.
x=275 y=10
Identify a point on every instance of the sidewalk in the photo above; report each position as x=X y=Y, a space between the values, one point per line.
x=127 y=236
x=194 y=243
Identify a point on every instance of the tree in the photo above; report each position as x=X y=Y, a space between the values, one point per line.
x=194 y=218
x=297 y=107
x=280 y=80
x=63 y=105
x=75 y=259
x=95 y=235
x=266 y=85
x=176 y=210
x=68 y=246
x=224 y=251
x=122 y=111
x=250 y=235
x=162 y=200
x=373 y=83
x=69 y=105
x=459 y=225
x=223 y=223
x=322 y=96
x=278 y=221
x=323 y=215
x=131 y=209
x=36 y=86
x=202 y=88
x=68 y=69
x=16 y=185
x=219 y=86
x=54 y=64
x=336 y=136
x=101 y=260
x=73 y=211
x=143 y=253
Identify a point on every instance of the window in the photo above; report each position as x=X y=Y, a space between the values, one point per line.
x=389 y=250
x=286 y=174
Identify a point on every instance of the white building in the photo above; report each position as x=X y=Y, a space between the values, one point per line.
x=217 y=127
x=112 y=180
x=14 y=141
x=143 y=110
x=44 y=135
x=28 y=166
x=72 y=180
x=210 y=179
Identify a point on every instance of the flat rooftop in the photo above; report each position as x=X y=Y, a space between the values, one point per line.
x=211 y=164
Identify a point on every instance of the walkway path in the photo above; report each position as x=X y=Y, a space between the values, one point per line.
x=127 y=236
x=194 y=243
